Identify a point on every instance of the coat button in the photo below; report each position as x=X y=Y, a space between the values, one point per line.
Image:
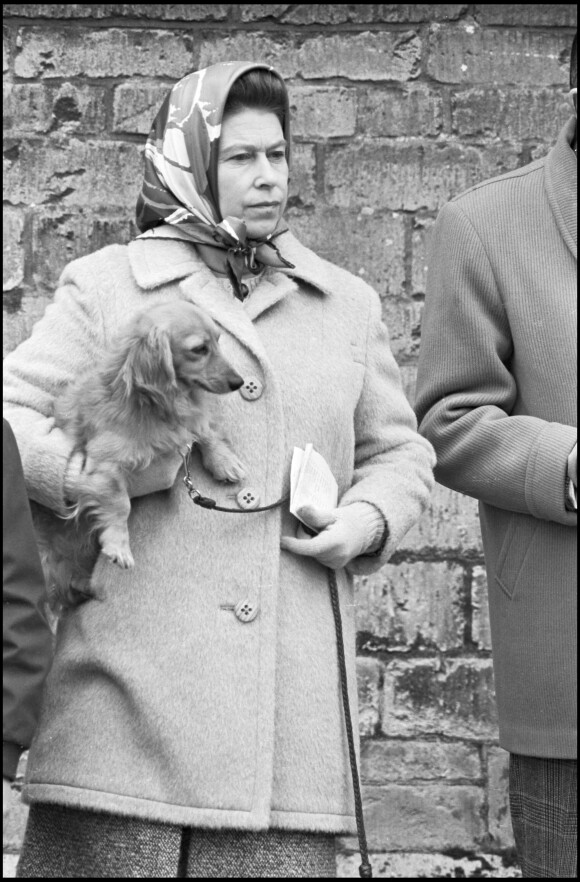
x=248 y=499
x=246 y=610
x=251 y=389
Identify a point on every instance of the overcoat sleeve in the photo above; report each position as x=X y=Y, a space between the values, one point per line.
x=393 y=463
x=27 y=639
x=466 y=392
x=65 y=342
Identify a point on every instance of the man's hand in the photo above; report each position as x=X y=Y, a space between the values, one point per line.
x=572 y=466
x=346 y=532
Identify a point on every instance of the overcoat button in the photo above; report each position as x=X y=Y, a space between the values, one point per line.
x=248 y=499
x=251 y=389
x=246 y=610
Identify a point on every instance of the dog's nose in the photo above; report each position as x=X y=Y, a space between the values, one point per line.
x=235 y=381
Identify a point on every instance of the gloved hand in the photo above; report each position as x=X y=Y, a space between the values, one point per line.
x=346 y=532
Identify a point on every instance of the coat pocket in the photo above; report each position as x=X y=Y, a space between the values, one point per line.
x=514 y=552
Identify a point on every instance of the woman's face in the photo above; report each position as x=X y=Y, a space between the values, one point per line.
x=252 y=170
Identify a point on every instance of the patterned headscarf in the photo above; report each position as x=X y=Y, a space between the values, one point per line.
x=179 y=196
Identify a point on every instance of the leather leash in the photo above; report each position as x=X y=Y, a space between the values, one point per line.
x=365 y=868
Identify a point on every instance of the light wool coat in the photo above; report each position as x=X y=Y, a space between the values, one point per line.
x=497 y=396
x=161 y=702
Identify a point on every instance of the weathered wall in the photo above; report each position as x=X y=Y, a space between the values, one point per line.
x=396 y=109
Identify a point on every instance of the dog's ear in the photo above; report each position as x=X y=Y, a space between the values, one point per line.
x=148 y=367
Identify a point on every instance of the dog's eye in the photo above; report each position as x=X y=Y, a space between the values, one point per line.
x=200 y=350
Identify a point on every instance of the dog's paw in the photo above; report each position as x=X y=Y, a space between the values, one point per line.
x=230 y=469
x=223 y=464
x=115 y=545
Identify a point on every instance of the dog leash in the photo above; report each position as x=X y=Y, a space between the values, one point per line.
x=365 y=868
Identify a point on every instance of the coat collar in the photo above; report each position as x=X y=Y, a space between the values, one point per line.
x=561 y=175
x=156 y=262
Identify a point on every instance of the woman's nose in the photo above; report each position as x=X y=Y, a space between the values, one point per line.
x=265 y=173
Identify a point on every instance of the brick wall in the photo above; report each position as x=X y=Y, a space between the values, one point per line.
x=396 y=109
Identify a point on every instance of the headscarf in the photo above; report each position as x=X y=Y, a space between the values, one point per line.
x=179 y=195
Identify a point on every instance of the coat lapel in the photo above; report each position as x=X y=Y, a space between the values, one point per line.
x=157 y=262
x=561 y=176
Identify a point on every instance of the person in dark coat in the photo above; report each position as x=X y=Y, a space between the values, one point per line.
x=497 y=398
x=27 y=636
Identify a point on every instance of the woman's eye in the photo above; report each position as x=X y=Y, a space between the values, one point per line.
x=200 y=350
x=241 y=157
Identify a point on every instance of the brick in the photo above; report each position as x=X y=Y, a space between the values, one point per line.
x=525 y=15
x=403 y=319
x=95 y=173
x=409 y=174
x=448 y=526
x=38 y=108
x=410 y=606
x=361 y=13
x=17 y=326
x=418 y=865
x=380 y=56
x=260 y=11
x=480 y=627
x=429 y=817
x=408 y=374
x=12 y=248
x=466 y=53
x=368 y=674
x=61 y=236
x=500 y=827
x=405 y=761
x=6 y=50
x=164 y=11
x=111 y=52
x=15 y=824
x=368 y=244
x=135 y=106
x=422 y=228
x=453 y=697
x=408 y=111
x=514 y=115
x=9 y=863
x=302 y=188
x=321 y=112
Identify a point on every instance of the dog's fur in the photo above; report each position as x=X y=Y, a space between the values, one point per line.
x=147 y=398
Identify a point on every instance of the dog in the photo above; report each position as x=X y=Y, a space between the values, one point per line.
x=149 y=396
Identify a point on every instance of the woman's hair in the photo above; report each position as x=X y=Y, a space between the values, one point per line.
x=258 y=89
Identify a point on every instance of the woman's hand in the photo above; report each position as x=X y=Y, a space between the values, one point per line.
x=346 y=532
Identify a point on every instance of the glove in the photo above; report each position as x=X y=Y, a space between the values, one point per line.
x=345 y=533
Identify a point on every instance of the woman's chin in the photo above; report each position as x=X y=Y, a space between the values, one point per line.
x=260 y=230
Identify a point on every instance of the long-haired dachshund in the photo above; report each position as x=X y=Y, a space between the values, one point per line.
x=148 y=397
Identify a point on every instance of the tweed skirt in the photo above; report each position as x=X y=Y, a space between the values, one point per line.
x=69 y=843
x=543 y=806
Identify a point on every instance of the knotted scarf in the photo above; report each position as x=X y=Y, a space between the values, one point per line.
x=179 y=195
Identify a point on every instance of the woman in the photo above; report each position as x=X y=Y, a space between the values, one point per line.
x=192 y=722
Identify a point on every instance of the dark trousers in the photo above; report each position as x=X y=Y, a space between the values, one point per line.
x=543 y=808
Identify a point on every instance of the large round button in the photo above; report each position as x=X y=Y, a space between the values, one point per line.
x=248 y=499
x=252 y=388
x=246 y=610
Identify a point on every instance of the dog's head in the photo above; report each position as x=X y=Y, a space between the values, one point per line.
x=171 y=346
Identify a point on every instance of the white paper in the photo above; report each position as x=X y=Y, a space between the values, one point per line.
x=311 y=482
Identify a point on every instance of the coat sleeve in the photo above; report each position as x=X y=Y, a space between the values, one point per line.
x=393 y=463
x=466 y=392
x=65 y=342
x=27 y=639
